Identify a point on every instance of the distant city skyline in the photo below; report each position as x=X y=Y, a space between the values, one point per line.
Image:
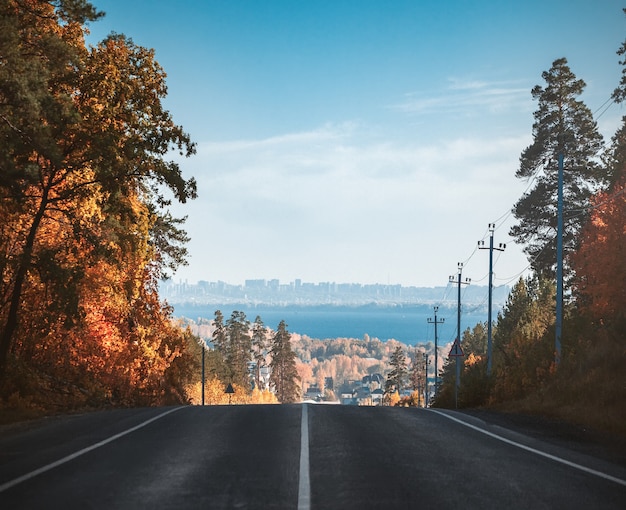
x=261 y=291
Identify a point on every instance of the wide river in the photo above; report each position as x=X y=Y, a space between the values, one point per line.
x=408 y=323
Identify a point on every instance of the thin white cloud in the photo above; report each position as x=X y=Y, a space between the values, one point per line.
x=326 y=133
x=467 y=97
x=462 y=84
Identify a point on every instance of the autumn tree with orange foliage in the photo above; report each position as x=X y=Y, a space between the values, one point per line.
x=599 y=262
x=85 y=230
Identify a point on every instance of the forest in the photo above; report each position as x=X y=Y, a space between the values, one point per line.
x=87 y=179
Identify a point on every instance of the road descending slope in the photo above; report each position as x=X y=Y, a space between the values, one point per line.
x=338 y=457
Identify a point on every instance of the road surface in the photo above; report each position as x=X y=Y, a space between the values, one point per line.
x=338 y=457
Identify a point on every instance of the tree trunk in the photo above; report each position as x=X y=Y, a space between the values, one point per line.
x=10 y=327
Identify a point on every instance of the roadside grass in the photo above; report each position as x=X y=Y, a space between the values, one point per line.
x=589 y=389
x=9 y=416
x=27 y=395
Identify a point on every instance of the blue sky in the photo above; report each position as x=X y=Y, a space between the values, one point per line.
x=362 y=141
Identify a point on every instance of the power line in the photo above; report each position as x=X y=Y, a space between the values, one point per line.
x=510 y=279
x=609 y=100
x=480 y=279
x=608 y=103
x=531 y=180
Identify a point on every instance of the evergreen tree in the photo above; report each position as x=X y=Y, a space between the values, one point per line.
x=239 y=348
x=523 y=352
x=284 y=377
x=415 y=373
x=396 y=379
x=220 y=340
x=259 y=348
x=445 y=393
x=216 y=359
x=563 y=124
x=475 y=341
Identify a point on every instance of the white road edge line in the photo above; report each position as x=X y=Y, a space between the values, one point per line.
x=48 y=467
x=535 y=451
x=304 y=484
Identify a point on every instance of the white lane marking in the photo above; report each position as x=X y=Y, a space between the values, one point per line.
x=304 y=485
x=580 y=467
x=48 y=467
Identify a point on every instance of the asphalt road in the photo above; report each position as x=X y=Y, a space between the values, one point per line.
x=339 y=457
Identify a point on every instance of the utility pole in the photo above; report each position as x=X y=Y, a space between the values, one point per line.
x=426 y=363
x=416 y=375
x=203 y=349
x=559 y=266
x=435 y=322
x=458 y=327
x=501 y=247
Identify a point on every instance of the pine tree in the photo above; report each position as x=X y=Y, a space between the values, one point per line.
x=239 y=348
x=475 y=341
x=216 y=360
x=563 y=124
x=259 y=348
x=220 y=339
x=445 y=393
x=416 y=371
x=396 y=379
x=284 y=377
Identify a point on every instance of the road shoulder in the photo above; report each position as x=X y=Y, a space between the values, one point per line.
x=608 y=447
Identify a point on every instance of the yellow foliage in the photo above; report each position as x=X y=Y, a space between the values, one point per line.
x=412 y=400
x=394 y=398
x=214 y=394
x=268 y=397
x=472 y=359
